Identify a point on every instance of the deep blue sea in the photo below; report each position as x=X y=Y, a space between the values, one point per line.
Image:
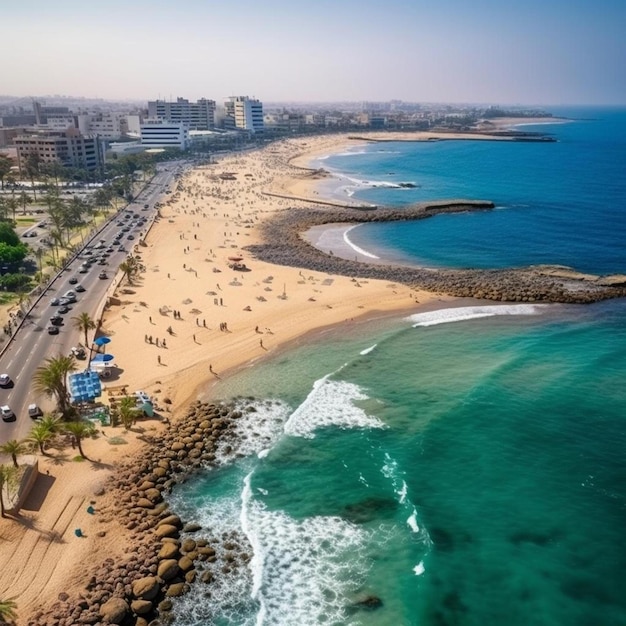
x=460 y=467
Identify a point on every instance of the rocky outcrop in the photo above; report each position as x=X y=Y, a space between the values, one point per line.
x=283 y=245
x=158 y=565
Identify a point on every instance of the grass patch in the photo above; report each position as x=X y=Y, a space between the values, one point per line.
x=78 y=459
x=7 y=298
x=117 y=441
x=25 y=220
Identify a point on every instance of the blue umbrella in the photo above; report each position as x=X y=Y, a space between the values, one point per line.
x=100 y=341
x=103 y=357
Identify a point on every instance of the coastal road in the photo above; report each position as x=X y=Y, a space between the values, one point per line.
x=32 y=343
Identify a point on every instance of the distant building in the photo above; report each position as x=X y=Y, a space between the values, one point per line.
x=244 y=113
x=107 y=126
x=159 y=133
x=68 y=147
x=198 y=115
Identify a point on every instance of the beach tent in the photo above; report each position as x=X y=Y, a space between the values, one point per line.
x=84 y=386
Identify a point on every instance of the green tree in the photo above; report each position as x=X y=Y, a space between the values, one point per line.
x=129 y=269
x=5 y=167
x=13 y=447
x=39 y=435
x=8 y=613
x=8 y=235
x=128 y=411
x=51 y=379
x=80 y=430
x=8 y=476
x=24 y=199
x=12 y=254
x=31 y=166
x=84 y=323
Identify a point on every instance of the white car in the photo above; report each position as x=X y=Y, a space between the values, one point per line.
x=5 y=380
x=7 y=413
x=34 y=411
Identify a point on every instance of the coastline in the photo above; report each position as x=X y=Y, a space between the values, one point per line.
x=267 y=307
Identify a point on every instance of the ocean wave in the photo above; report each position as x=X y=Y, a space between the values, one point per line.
x=303 y=571
x=368 y=350
x=461 y=314
x=330 y=403
x=354 y=246
x=255 y=432
x=373 y=184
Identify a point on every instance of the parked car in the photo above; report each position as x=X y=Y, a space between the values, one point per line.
x=34 y=411
x=79 y=352
x=5 y=380
x=7 y=413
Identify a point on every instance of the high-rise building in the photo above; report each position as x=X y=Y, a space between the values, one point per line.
x=198 y=115
x=244 y=113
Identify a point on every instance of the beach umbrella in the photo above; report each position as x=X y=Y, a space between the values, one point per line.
x=101 y=341
x=235 y=258
x=103 y=357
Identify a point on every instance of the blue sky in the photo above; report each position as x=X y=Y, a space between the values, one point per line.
x=480 y=51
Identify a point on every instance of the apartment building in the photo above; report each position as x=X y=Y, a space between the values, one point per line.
x=67 y=147
x=244 y=113
x=198 y=115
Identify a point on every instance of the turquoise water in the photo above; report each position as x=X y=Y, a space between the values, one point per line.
x=458 y=467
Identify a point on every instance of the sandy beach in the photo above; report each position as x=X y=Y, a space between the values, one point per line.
x=225 y=319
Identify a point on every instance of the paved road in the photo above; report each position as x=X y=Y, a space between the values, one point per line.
x=33 y=344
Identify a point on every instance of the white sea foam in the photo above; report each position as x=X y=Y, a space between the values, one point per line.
x=368 y=350
x=330 y=403
x=461 y=314
x=412 y=521
x=419 y=569
x=255 y=432
x=303 y=570
x=355 y=247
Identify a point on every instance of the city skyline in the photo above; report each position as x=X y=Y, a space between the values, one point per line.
x=450 y=51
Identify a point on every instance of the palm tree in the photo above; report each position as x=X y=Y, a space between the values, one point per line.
x=7 y=611
x=13 y=447
x=80 y=430
x=8 y=475
x=39 y=435
x=129 y=268
x=51 y=379
x=128 y=411
x=83 y=323
x=24 y=199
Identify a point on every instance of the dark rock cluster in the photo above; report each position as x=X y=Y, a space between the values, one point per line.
x=163 y=560
x=284 y=245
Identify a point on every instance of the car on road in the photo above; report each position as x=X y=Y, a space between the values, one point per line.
x=5 y=380
x=70 y=295
x=34 y=411
x=56 y=320
x=79 y=352
x=55 y=302
x=83 y=269
x=130 y=237
x=53 y=330
x=7 y=413
x=79 y=288
x=73 y=280
x=64 y=309
x=102 y=275
x=102 y=262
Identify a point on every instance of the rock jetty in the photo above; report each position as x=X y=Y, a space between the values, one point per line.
x=165 y=556
x=283 y=244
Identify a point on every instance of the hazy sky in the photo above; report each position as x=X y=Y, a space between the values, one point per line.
x=500 y=51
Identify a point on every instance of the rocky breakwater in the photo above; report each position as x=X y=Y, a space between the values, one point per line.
x=162 y=559
x=283 y=244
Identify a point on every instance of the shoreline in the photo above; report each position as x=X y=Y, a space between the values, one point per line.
x=288 y=293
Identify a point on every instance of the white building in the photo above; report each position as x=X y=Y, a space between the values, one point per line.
x=105 y=125
x=161 y=134
x=198 y=115
x=246 y=113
